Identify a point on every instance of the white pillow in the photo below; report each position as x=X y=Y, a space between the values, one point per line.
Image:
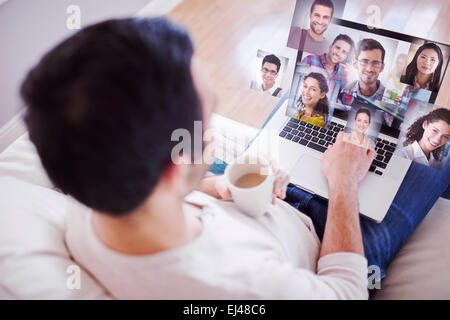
x=20 y=160
x=33 y=255
x=421 y=268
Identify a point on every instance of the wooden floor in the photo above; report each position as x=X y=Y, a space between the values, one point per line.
x=228 y=33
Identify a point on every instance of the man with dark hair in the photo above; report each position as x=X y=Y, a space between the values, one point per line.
x=312 y=40
x=269 y=72
x=334 y=63
x=103 y=110
x=369 y=63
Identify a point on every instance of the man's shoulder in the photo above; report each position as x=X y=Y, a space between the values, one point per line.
x=381 y=87
x=313 y=59
x=277 y=92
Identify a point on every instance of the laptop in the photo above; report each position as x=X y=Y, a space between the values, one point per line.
x=298 y=146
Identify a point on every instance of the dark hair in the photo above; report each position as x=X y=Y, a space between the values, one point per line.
x=345 y=38
x=415 y=131
x=272 y=59
x=411 y=69
x=102 y=106
x=365 y=111
x=370 y=44
x=325 y=3
x=322 y=104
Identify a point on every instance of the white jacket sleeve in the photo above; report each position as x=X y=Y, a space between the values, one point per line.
x=339 y=276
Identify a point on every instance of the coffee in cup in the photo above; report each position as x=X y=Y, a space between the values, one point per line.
x=250 y=180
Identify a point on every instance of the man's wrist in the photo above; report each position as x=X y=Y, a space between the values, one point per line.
x=338 y=185
x=208 y=186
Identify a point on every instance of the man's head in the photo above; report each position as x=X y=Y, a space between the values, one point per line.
x=103 y=104
x=320 y=15
x=269 y=70
x=341 y=48
x=369 y=60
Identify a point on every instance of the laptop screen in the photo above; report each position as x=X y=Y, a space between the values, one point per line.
x=380 y=70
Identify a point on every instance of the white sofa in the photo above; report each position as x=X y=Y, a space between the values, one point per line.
x=34 y=260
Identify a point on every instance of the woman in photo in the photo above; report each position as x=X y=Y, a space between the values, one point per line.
x=427 y=137
x=362 y=123
x=424 y=71
x=313 y=100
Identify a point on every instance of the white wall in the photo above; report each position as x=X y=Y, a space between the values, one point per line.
x=29 y=28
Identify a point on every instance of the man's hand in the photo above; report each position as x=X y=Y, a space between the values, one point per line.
x=216 y=186
x=345 y=163
x=279 y=186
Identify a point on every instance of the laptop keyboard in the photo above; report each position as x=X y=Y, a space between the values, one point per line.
x=320 y=138
x=384 y=150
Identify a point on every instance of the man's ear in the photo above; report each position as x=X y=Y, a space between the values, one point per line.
x=382 y=68
x=173 y=175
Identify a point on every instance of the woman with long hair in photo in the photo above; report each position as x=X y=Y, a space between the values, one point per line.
x=313 y=100
x=358 y=136
x=424 y=71
x=427 y=137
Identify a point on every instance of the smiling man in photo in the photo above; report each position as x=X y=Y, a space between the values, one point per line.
x=312 y=40
x=369 y=63
x=334 y=63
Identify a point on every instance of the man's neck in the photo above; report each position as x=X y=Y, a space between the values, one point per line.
x=317 y=37
x=265 y=88
x=368 y=90
x=149 y=230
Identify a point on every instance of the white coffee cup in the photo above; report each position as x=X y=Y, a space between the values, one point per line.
x=254 y=201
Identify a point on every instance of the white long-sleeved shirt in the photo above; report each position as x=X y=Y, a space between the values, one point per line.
x=275 y=256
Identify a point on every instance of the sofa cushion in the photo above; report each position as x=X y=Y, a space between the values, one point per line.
x=20 y=160
x=34 y=260
x=420 y=270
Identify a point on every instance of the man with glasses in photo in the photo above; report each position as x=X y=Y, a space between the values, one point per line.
x=369 y=63
x=269 y=73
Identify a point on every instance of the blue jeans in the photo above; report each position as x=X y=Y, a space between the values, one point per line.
x=420 y=189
